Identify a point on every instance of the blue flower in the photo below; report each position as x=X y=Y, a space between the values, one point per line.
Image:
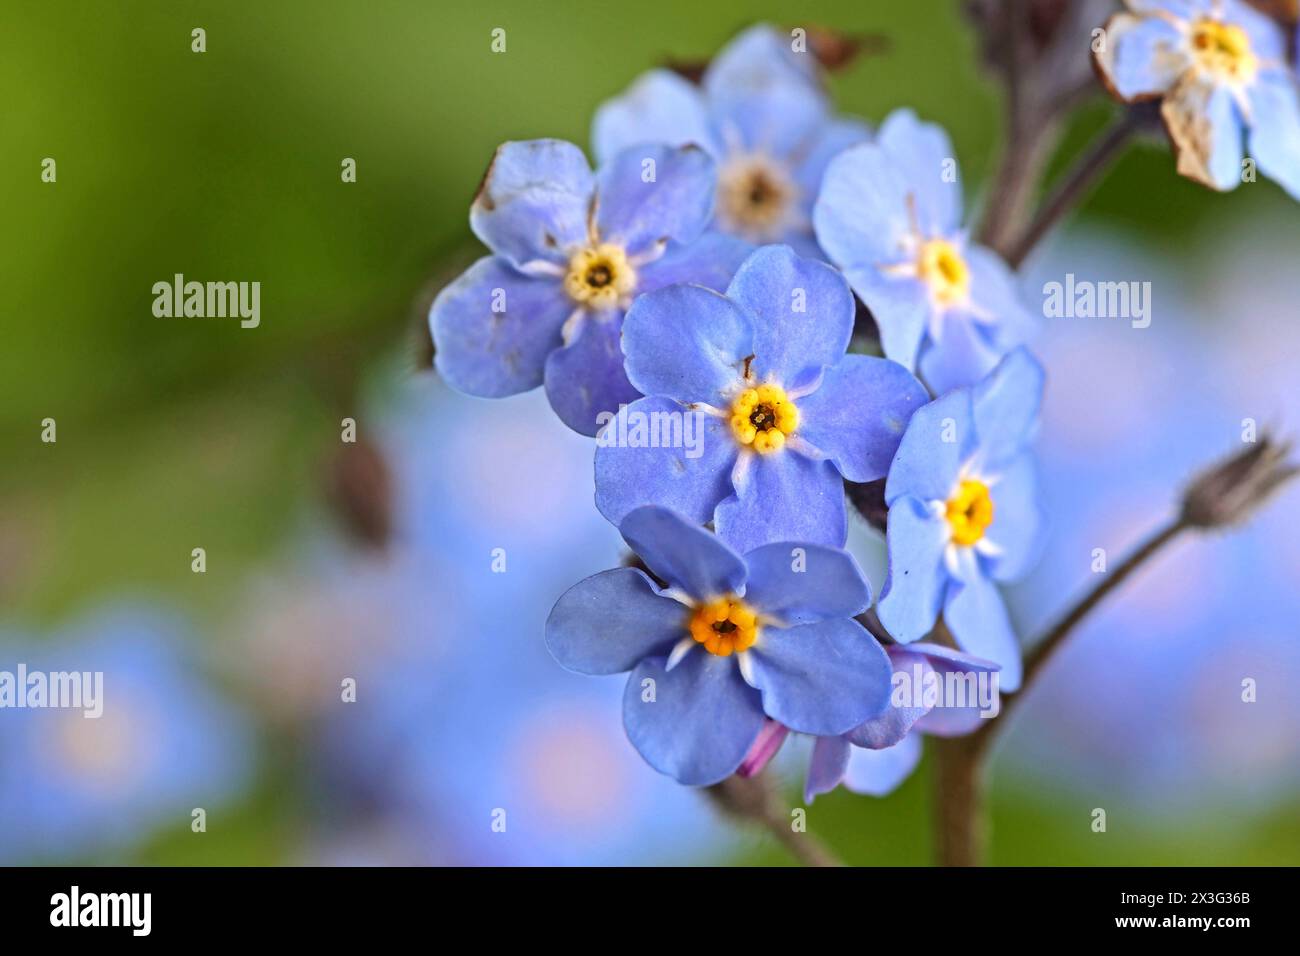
x=761 y=113
x=164 y=743
x=724 y=643
x=783 y=413
x=877 y=756
x=571 y=251
x=1221 y=73
x=963 y=513
x=889 y=215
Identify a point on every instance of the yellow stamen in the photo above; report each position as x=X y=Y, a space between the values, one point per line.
x=942 y=267
x=970 y=512
x=600 y=277
x=763 y=418
x=724 y=626
x=1223 y=49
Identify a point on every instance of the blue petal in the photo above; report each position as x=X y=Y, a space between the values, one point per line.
x=1017 y=525
x=822 y=678
x=977 y=617
x=804 y=312
x=1275 y=129
x=1144 y=56
x=953 y=721
x=688 y=343
x=877 y=773
x=701 y=721
x=1006 y=406
x=676 y=205
x=927 y=465
x=755 y=58
x=492 y=354
x=1206 y=127
x=859 y=412
x=914 y=590
x=710 y=261
x=901 y=307
x=803 y=583
x=783 y=497
x=534 y=201
x=586 y=378
x=923 y=153
x=911 y=671
x=861 y=215
x=690 y=479
x=607 y=623
x=780 y=119
x=659 y=107
x=995 y=292
x=830 y=760
x=965 y=353
x=832 y=139
x=682 y=553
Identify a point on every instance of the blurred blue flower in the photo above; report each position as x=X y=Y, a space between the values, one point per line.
x=784 y=611
x=462 y=718
x=761 y=113
x=1220 y=70
x=570 y=252
x=889 y=215
x=1130 y=415
x=963 y=513
x=165 y=744
x=935 y=691
x=784 y=414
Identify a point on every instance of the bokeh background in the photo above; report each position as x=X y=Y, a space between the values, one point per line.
x=182 y=433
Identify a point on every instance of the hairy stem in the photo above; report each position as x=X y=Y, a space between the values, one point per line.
x=753 y=800
x=1072 y=187
x=959 y=762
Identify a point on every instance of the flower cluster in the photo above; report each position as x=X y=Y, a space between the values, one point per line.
x=1219 y=69
x=702 y=283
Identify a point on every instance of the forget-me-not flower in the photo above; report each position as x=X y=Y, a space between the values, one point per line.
x=785 y=413
x=889 y=215
x=877 y=756
x=964 y=513
x=571 y=249
x=761 y=113
x=1220 y=70
x=726 y=642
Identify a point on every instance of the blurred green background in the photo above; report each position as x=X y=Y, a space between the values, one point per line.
x=226 y=165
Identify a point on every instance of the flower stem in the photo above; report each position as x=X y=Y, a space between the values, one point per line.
x=959 y=761
x=1072 y=187
x=752 y=799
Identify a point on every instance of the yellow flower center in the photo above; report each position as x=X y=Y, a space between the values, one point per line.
x=755 y=197
x=724 y=626
x=1223 y=49
x=600 y=277
x=942 y=267
x=970 y=512
x=763 y=417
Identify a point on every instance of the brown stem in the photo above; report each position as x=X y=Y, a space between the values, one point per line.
x=752 y=799
x=959 y=825
x=1072 y=187
x=1030 y=136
